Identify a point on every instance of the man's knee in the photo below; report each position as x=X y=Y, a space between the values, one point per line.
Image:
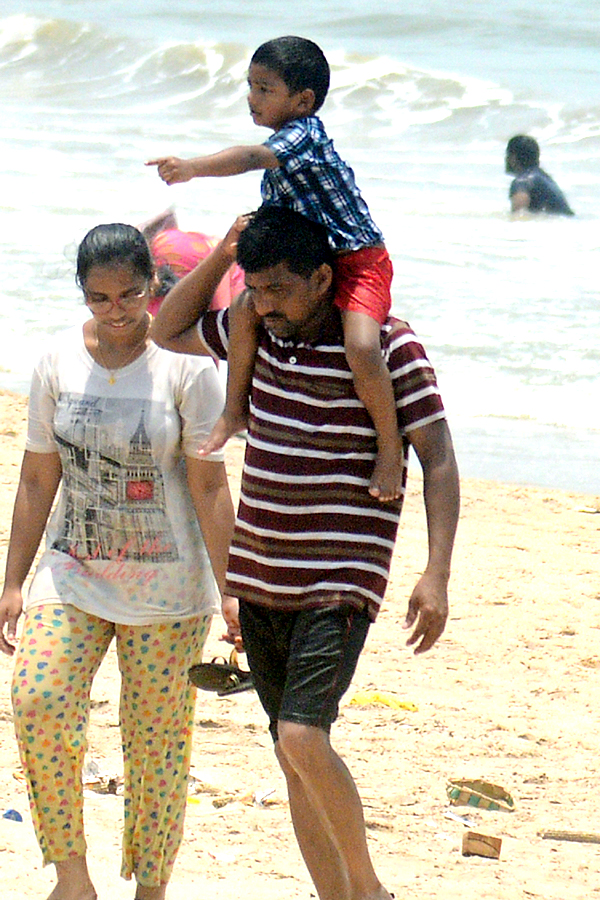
x=299 y=745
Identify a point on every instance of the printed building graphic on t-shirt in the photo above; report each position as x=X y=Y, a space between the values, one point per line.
x=113 y=490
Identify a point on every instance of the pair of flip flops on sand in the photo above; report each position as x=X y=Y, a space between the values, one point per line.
x=221 y=676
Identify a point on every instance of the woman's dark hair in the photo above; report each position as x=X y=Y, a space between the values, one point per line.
x=300 y=63
x=275 y=235
x=114 y=245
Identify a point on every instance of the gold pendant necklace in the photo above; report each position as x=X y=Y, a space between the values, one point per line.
x=112 y=377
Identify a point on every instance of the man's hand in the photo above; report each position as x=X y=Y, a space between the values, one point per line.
x=173 y=170
x=427 y=612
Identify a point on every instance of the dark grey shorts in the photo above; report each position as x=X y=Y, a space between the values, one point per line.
x=302 y=662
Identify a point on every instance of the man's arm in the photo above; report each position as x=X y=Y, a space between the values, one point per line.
x=428 y=605
x=231 y=161
x=175 y=324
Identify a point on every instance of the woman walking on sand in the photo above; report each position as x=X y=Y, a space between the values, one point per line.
x=140 y=526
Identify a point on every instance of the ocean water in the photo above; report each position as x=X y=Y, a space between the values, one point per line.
x=423 y=100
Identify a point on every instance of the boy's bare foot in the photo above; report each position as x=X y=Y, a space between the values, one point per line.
x=386 y=480
x=225 y=427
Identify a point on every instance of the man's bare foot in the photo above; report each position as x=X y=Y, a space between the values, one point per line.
x=386 y=480
x=225 y=427
x=381 y=894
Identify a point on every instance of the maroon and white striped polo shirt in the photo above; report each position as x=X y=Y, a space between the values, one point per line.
x=308 y=533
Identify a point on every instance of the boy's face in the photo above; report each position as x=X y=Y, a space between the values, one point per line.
x=270 y=101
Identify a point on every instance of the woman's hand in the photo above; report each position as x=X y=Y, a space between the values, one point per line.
x=11 y=607
x=231 y=614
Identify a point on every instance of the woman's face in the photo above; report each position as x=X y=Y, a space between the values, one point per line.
x=117 y=297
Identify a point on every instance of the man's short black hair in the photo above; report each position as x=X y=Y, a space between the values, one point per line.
x=300 y=63
x=278 y=235
x=525 y=149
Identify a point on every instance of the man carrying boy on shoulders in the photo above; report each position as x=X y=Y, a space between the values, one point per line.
x=312 y=547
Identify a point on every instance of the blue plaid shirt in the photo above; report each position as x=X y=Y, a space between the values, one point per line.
x=313 y=180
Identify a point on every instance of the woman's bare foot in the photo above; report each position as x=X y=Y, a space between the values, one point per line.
x=150 y=893
x=73 y=881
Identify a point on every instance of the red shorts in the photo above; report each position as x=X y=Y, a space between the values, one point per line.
x=363 y=281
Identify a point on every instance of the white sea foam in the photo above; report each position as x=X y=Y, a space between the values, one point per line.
x=507 y=309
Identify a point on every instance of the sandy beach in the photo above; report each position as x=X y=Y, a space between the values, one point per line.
x=509 y=695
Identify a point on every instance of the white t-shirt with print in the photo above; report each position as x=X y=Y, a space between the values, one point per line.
x=123 y=542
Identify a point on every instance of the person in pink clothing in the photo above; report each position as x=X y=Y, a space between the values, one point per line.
x=180 y=252
x=176 y=252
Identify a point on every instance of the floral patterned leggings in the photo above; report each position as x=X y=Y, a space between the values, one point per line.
x=59 y=654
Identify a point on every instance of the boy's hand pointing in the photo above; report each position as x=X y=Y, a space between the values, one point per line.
x=173 y=170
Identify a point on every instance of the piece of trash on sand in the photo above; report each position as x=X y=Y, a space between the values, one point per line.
x=378 y=698
x=261 y=797
x=13 y=814
x=94 y=779
x=476 y=844
x=209 y=781
x=482 y=794
x=583 y=837
x=464 y=820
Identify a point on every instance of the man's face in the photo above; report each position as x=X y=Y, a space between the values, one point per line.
x=291 y=306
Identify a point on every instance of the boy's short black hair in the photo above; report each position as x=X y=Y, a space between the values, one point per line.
x=525 y=149
x=276 y=235
x=299 y=62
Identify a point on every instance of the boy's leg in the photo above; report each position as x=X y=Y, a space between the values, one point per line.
x=373 y=385
x=243 y=344
x=157 y=717
x=59 y=654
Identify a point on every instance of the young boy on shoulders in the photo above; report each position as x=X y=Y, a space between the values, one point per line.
x=288 y=80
